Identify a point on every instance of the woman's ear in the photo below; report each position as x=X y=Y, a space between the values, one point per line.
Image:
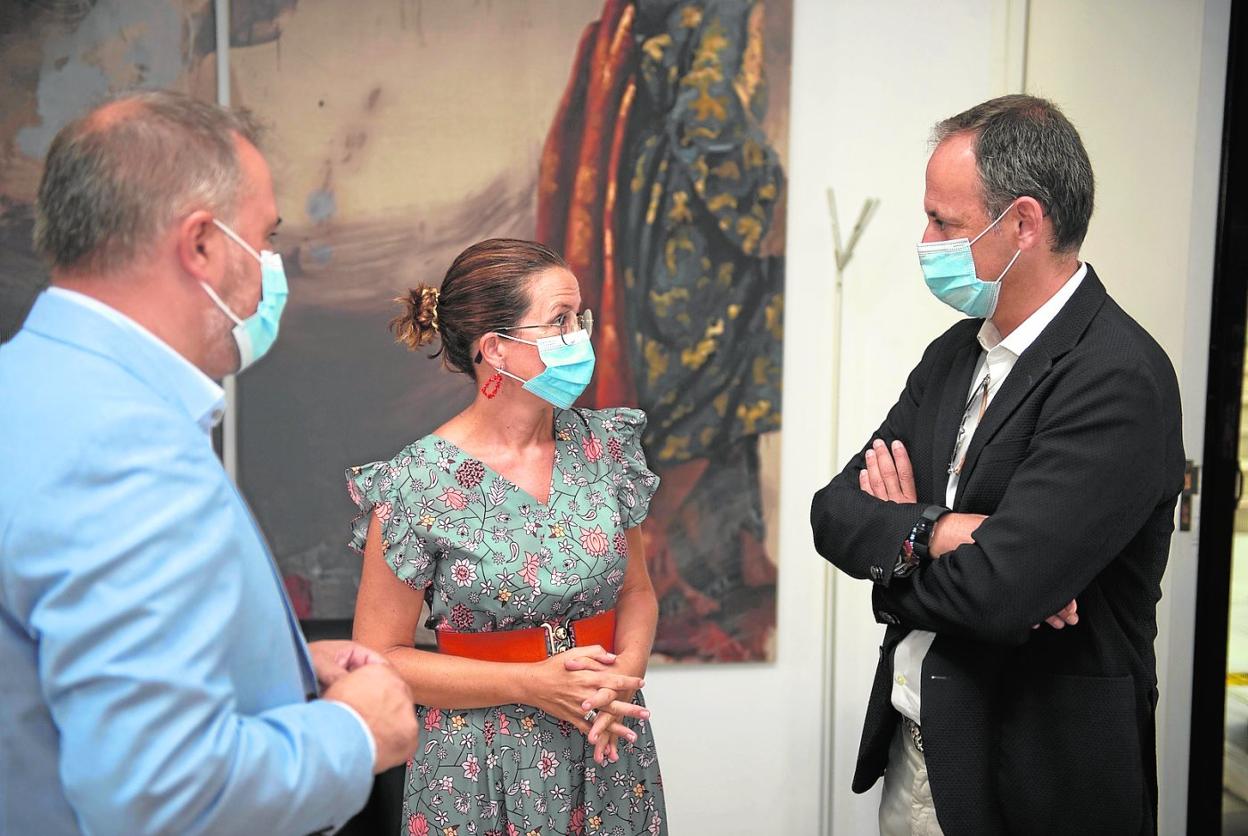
x=490 y=350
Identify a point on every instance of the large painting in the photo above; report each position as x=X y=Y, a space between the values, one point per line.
x=645 y=140
x=57 y=59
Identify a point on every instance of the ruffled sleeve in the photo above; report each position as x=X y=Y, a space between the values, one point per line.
x=636 y=484
x=384 y=489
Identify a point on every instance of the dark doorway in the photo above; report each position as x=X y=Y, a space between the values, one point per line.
x=1218 y=779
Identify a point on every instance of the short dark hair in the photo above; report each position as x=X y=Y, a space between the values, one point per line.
x=485 y=289
x=1025 y=146
x=115 y=178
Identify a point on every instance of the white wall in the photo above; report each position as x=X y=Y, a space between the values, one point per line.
x=1144 y=83
x=770 y=748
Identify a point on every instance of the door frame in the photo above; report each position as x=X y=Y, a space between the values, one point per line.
x=1220 y=477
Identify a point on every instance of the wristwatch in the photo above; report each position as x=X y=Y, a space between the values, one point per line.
x=914 y=549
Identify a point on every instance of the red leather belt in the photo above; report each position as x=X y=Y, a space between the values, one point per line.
x=530 y=644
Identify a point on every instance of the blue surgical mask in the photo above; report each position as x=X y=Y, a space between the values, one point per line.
x=256 y=334
x=569 y=366
x=949 y=271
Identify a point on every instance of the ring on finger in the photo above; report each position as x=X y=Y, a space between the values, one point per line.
x=591 y=715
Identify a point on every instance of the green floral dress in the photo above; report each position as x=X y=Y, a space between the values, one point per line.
x=488 y=556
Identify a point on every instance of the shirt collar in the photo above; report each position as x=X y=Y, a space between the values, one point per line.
x=1021 y=338
x=200 y=395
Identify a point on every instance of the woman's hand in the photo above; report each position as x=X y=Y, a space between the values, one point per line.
x=605 y=735
x=608 y=725
x=569 y=685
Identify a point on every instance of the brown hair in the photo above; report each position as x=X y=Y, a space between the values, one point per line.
x=485 y=289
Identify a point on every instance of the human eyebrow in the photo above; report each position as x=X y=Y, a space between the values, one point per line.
x=559 y=311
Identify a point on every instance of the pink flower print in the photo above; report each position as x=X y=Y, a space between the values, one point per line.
x=592 y=447
x=656 y=825
x=620 y=541
x=616 y=449
x=511 y=830
x=418 y=825
x=454 y=498
x=577 y=822
x=529 y=572
x=547 y=764
x=383 y=512
x=354 y=492
x=489 y=732
x=594 y=541
x=463 y=573
x=504 y=724
x=472 y=768
x=470 y=473
x=433 y=720
x=461 y=617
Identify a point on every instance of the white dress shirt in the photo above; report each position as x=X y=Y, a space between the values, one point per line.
x=1000 y=355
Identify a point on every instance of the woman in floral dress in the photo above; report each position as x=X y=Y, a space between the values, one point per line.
x=518 y=512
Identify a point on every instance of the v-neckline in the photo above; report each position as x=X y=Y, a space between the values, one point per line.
x=554 y=459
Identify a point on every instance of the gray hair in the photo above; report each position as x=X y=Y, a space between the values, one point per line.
x=116 y=178
x=1025 y=146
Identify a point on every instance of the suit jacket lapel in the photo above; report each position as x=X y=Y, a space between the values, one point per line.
x=949 y=415
x=1059 y=337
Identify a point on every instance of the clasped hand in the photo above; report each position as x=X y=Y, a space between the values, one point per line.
x=571 y=684
x=889 y=476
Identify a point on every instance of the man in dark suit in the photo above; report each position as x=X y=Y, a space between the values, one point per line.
x=1032 y=461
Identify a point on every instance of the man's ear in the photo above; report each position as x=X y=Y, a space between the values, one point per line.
x=200 y=247
x=1033 y=226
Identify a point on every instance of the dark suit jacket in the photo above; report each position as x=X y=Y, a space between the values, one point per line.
x=1077 y=463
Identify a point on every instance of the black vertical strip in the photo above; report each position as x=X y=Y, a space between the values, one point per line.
x=1221 y=465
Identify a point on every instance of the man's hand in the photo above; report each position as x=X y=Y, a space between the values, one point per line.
x=382 y=699
x=334 y=659
x=1068 y=615
x=888 y=476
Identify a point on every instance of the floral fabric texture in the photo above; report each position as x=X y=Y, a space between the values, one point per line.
x=489 y=556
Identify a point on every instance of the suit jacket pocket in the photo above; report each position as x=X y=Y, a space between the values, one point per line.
x=1070 y=757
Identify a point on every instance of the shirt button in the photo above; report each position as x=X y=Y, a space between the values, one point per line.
x=901 y=679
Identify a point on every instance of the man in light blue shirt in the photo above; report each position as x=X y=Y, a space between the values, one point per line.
x=154 y=678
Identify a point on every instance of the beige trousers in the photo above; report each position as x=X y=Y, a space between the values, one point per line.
x=906 y=808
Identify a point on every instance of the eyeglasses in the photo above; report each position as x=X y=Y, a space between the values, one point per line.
x=568 y=324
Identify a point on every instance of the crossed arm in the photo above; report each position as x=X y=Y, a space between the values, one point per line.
x=889 y=476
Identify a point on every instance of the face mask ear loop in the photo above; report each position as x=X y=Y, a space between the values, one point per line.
x=1011 y=264
x=225 y=309
x=238 y=240
x=991 y=225
x=513 y=339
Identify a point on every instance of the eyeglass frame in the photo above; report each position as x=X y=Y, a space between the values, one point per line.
x=583 y=320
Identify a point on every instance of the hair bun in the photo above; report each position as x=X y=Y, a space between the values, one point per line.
x=418 y=324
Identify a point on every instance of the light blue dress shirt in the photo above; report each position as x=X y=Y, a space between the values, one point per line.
x=152 y=676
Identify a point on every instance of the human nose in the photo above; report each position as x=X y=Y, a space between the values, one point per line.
x=931 y=233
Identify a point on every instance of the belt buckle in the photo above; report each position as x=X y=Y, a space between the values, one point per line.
x=558 y=638
x=916 y=733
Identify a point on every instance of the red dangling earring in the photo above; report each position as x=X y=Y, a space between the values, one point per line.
x=491 y=386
